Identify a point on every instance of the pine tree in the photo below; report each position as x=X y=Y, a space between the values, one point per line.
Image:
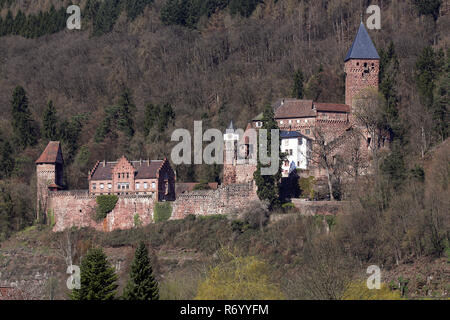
x=151 y=115
x=297 y=90
x=24 y=128
x=441 y=101
x=7 y=161
x=125 y=111
x=268 y=185
x=142 y=284
x=50 y=122
x=98 y=279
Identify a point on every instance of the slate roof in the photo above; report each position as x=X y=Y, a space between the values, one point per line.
x=331 y=107
x=362 y=47
x=145 y=169
x=295 y=108
x=291 y=134
x=51 y=154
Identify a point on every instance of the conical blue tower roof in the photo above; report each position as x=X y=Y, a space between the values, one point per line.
x=362 y=47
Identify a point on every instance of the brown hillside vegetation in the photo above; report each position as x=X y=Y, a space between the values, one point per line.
x=229 y=66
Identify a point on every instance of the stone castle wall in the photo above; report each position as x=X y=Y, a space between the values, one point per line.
x=77 y=208
x=220 y=201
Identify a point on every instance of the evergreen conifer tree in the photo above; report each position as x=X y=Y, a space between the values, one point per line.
x=98 y=279
x=22 y=123
x=268 y=185
x=50 y=122
x=142 y=284
x=297 y=90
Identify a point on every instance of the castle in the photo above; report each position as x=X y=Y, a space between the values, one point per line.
x=299 y=119
x=141 y=184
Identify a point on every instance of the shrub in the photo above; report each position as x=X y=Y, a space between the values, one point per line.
x=162 y=211
x=105 y=204
x=137 y=220
x=307 y=187
x=288 y=207
x=359 y=291
x=202 y=186
x=238 y=277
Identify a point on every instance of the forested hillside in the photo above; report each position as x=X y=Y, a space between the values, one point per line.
x=139 y=69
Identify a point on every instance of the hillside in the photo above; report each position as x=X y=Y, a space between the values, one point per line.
x=137 y=70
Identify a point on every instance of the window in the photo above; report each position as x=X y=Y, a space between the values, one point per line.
x=258 y=124
x=306 y=120
x=300 y=141
x=281 y=122
x=286 y=142
x=290 y=152
x=127 y=185
x=94 y=186
x=109 y=185
x=298 y=121
x=307 y=131
x=128 y=175
x=137 y=185
x=118 y=186
x=290 y=121
x=101 y=186
x=145 y=185
x=153 y=185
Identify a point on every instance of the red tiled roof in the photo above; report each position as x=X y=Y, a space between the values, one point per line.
x=294 y=108
x=51 y=154
x=145 y=169
x=331 y=107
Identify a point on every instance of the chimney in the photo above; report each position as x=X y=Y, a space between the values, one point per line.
x=282 y=101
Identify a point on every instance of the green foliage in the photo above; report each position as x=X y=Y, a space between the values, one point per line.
x=70 y=131
x=98 y=278
x=117 y=118
x=51 y=218
x=25 y=130
x=239 y=278
x=50 y=123
x=157 y=117
x=268 y=185
x=162 y=211
x=359 y=291
x=307 y=187
x=142 y=284
x=136 y=7
x=297 y=90
x=428 y=7
x=202 y=186
x=288 y=207
x=243 y=7
x=137 y=221
x=188 y=12
x=105 y=204
x=7 y=161
x=34 y=25
x=441 y=101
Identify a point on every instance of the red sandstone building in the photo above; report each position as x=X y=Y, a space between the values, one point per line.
x=361 y=67
x=125 y=177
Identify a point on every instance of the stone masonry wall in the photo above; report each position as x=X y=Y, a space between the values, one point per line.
x=219 y=201
x=77 y=208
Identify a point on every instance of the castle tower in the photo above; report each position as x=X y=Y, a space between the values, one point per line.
x=49 y=173
x=362 y=65
x=230 y=139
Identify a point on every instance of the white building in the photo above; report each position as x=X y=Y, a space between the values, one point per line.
x=297 y=148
